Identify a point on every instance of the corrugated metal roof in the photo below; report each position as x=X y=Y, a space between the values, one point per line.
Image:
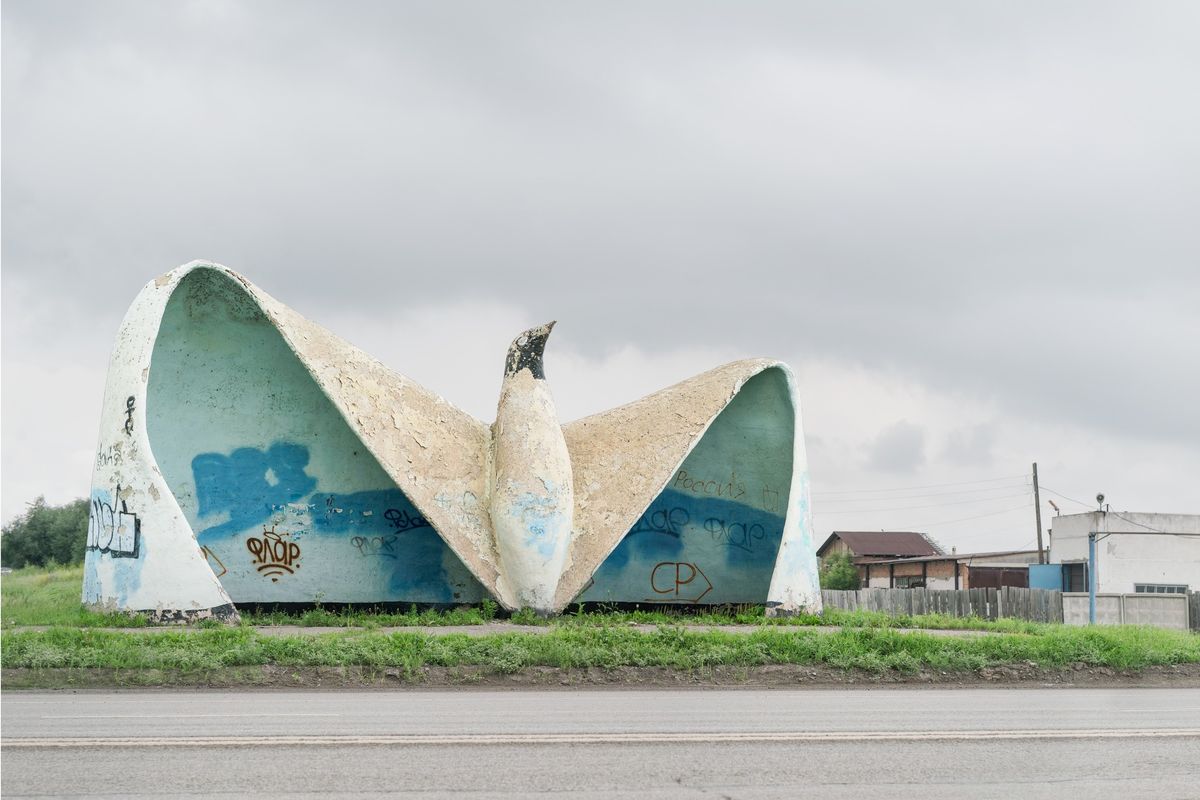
x=891 y=544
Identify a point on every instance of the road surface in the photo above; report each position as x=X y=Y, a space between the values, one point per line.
x=919 y=743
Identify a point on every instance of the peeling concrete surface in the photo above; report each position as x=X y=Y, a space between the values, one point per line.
x=611 y=468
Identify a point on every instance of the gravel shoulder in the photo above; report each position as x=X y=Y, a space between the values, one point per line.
x=779 y=676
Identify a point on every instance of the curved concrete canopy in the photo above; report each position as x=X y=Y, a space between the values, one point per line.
x=247 y=455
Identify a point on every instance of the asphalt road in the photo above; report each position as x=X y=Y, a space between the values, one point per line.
x=926 y=743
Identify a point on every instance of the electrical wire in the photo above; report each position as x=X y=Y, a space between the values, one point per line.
x=927 y=486
x=965 y=519
x=1140 y=525
x=1148 y=528
x=931 y=505
x=1046 y=488
x=922 y=496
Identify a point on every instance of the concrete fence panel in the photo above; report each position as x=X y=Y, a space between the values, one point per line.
x=1159 y=610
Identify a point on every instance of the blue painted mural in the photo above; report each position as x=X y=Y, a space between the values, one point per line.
x=287 y=504
x=713 y=534
x=249 y=484
x=268 y=492
x=688 y=549
x=387 y=527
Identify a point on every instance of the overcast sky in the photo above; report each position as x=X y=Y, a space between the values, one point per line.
x=972 y=228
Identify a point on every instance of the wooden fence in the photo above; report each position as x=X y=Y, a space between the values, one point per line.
x=1036 y=605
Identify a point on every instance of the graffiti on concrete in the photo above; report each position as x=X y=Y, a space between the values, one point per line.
x=262 y=491
x=265 y=437
x=670 y=521
x=732 y=489
x=676 y=579
x=274 y=555
x=771 y=501
x=213 y=561
x=383 y=546
x=129 y=407
x=110 y=456
x=249 y=484
x=737 y=544
x=387 y=527
x=113 y=530
x=735 y=534
x=402 y=520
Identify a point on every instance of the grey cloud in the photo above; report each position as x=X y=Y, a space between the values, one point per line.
x=971 y=446
x=991 y=199
x=899 y=448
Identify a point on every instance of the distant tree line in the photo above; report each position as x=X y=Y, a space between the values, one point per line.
x=46 y=534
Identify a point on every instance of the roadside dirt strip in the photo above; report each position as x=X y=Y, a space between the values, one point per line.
x=769 y=676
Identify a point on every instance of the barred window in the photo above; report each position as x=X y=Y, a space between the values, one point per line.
x=1160 y=588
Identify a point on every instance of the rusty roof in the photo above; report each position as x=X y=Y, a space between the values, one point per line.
x=890 y=544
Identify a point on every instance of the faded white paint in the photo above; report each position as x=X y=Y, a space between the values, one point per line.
x=169 y=577
x=795 y=584
x=533 y=499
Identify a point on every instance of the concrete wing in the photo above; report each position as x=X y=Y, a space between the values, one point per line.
x=623 y=459
x=436 y=453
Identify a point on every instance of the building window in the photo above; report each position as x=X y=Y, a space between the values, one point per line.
x=1160 y=588
x=1075 y=578
x=910 y=582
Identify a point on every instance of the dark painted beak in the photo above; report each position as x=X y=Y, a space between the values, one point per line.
x=526 y=351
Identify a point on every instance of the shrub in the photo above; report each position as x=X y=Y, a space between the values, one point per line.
x=838 y=572
x=46 y=534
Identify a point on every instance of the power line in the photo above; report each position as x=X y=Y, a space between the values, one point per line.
x=1008 y=528
x=1148 y=528
x=922 y=496
x=1118 y=516
x=1064 y=497
x=1140 y=525
x=927 y=486
x=932 y=505
x=964 y=519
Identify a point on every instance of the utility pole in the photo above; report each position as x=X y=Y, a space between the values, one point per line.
x=1091 y=577
x=1037 y=508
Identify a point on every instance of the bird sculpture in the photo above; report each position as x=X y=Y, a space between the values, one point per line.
x=248 y=455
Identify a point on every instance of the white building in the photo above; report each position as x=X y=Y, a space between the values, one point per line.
x=1135 y=553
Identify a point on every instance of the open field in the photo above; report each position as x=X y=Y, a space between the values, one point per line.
x=79 y=643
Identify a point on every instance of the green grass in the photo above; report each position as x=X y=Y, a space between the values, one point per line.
x=51 y=596
x=873 y=649
x=868 y=640
x=37 y=596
